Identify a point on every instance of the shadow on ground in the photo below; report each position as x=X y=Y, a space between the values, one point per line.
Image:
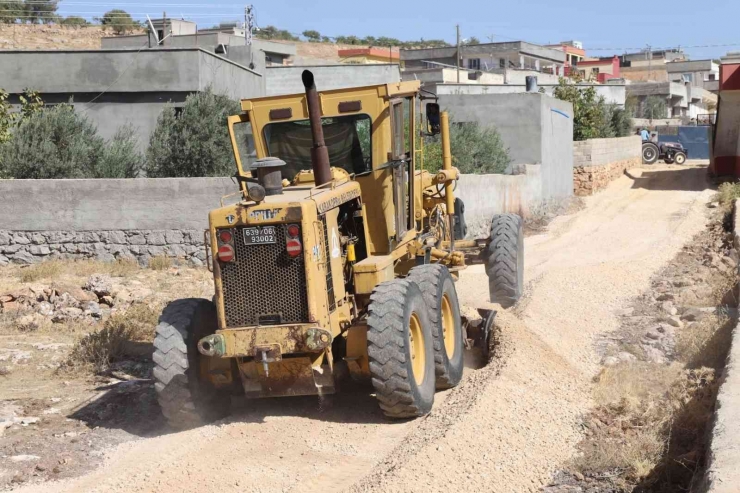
x=689 y=179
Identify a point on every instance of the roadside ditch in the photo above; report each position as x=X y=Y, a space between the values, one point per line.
x=655 y=394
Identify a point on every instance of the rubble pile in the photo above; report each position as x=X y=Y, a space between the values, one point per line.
x=97 y=299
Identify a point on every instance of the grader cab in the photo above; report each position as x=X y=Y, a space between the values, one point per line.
x=337 y=260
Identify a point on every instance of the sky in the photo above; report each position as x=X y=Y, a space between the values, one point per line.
x=605 y=27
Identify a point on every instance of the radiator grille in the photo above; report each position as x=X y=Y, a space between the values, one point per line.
x=329 y=279
x=264 y=283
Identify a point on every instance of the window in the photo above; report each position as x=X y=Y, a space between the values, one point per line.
x=712 y=76
x=595 y=71
x=347 y=139
x=687 y=77
x=502 y=63
x=160 y=35
x=244 y=143
x=178 y=112
x=474 y=63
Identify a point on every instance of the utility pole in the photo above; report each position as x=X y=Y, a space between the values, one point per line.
x=457 y=56
x=248 y=23
x=650 y=61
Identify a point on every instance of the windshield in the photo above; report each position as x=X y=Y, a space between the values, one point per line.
x=347 y=139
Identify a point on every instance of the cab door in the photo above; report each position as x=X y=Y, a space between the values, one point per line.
x=401 y=160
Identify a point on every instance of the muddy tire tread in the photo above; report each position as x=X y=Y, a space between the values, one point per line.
x=502 y=260
x=175 y=371
x=386 y=350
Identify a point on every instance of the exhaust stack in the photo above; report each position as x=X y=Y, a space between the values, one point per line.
x=319 y=152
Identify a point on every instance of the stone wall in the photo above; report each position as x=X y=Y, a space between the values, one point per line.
x=597 y=162
x=29 y=247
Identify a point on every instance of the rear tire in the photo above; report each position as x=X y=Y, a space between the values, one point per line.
x=399 y=337
x=438 y=290
x=185 y=399
x=505 y=260
x=650 y=153
x=680 y=158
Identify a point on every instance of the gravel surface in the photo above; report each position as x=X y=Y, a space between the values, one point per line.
x=507 y=427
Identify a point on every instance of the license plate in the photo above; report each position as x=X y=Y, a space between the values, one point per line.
x=263 y=235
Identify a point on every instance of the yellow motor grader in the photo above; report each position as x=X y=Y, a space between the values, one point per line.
x=337 y=259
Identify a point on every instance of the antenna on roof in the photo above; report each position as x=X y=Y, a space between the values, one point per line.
x=154 y=31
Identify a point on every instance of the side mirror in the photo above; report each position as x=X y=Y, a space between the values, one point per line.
x=433 y=123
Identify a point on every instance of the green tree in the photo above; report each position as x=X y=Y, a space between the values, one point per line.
x=475 y=149
x=55 y=143
x=75 y=21
x=593 y=118
x=40 y=11
x=655 y=107
x=6 y=117
x=121 y=157
x=472 y=40
x=348 y=40
x=119 y=21
x=312 y=36
x=197 y=142
x=12 y=12
x=621 y=122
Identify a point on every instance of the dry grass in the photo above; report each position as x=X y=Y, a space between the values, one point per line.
x=45 y=270
x=727 y=194
x=160 y=263
x=705 y=343
x=99 y=349
x=54 y=269
x=628 y=427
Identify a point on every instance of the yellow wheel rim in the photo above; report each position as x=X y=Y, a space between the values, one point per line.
x=448 y=327
x=416 y=349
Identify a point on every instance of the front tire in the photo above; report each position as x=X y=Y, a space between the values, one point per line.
x=399 y=337
x=438 y=290
x=680 y=158
x=185 y=399
x=505 y=260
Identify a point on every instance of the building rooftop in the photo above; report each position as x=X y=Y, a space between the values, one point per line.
x=388 y=53
x=539 y=51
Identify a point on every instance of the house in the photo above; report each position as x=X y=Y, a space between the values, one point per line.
x=649 y=66
x=725 y=155
x=229 y=43
x=599 y=69
x=574 y=53
x=372 y=54
x=489 y=57
x=682 y=99
x=125 y=86
x=698 y=73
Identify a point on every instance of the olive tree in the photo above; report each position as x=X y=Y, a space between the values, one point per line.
x=195 y=143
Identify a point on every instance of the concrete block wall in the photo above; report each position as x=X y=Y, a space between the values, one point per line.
x=148 y=217
x=596 y=162
x=107 y=219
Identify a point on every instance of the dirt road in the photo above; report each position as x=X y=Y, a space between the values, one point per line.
x=506 y=428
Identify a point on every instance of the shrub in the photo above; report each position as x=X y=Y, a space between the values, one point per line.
x=475 y=149
x=655 y=107
x=74 y=20
x=593 y=118
x=121 y=157
x=197 y=142
x=55 y=143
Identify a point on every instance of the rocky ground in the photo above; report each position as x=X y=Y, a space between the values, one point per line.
x=59 y=412
x=508 y=427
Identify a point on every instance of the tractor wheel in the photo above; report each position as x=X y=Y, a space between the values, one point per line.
x=680 y=158
x=185 y=399
x=505 y=259
x=650 y=153
x=399 y=347
x=438 y=290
